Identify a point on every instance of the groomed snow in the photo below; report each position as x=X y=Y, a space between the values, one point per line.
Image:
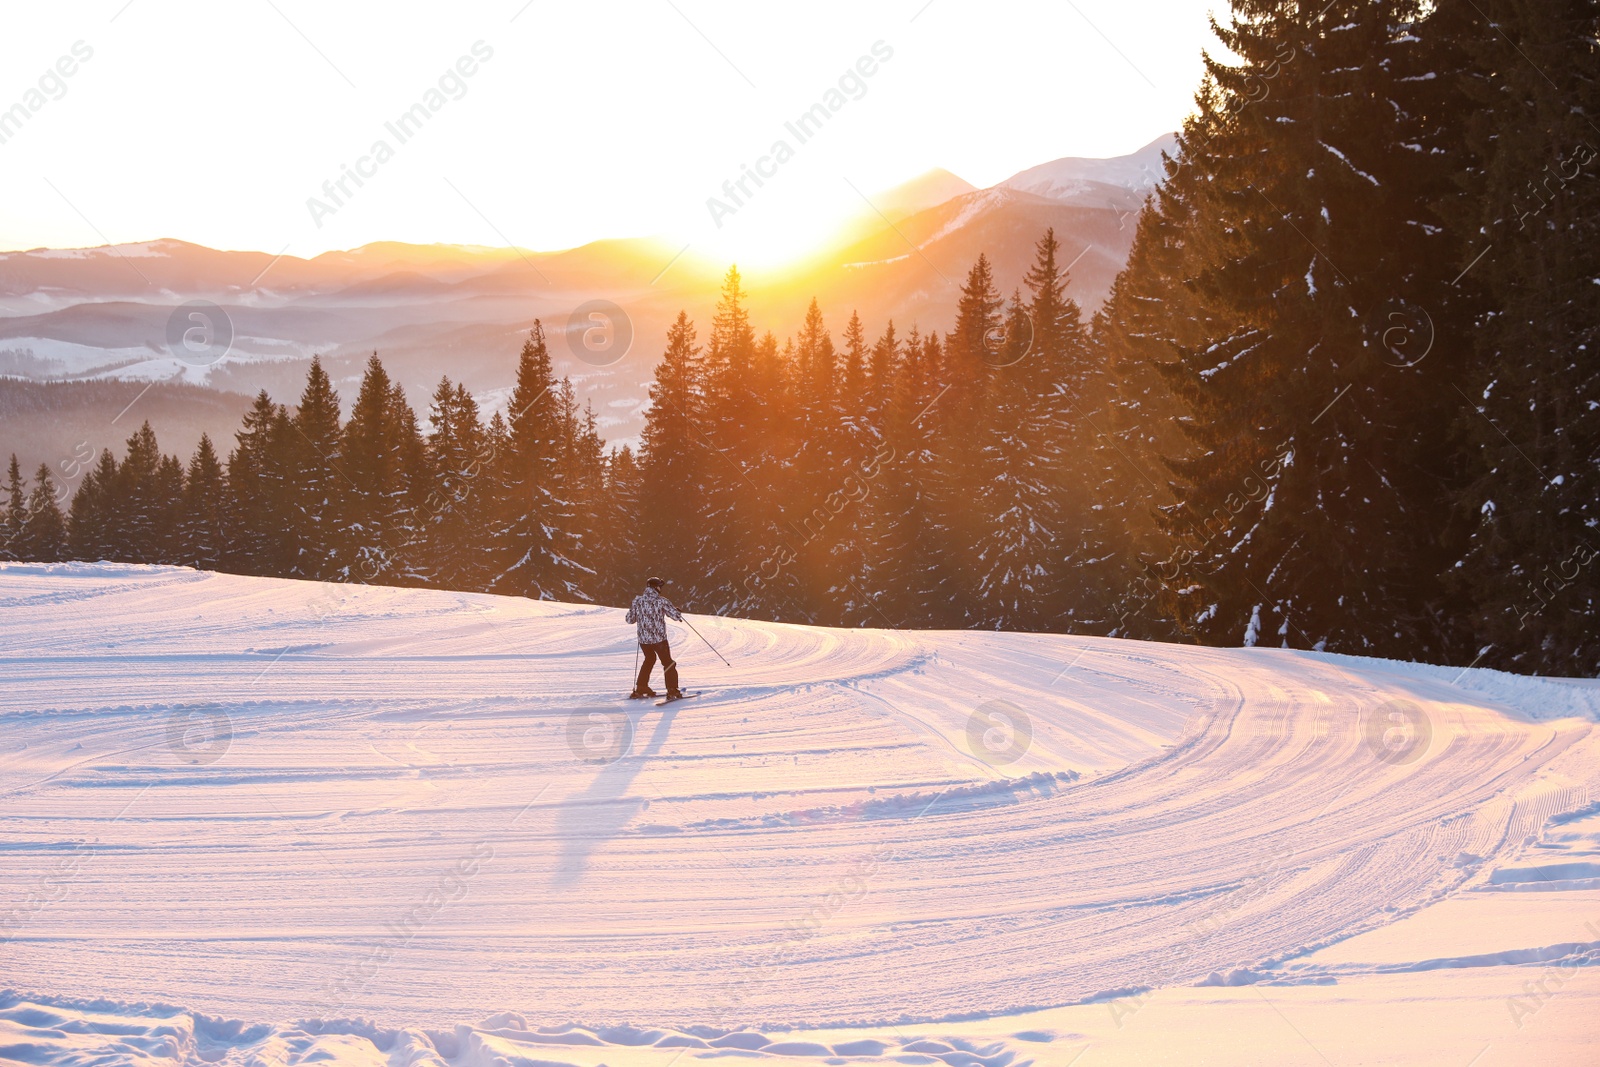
x=291 y=803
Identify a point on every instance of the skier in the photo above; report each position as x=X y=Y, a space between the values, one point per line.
x=650 y=611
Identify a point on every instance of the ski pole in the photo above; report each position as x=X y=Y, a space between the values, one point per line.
x=709 y=645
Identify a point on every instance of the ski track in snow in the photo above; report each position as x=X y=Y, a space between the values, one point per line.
x=813 y=842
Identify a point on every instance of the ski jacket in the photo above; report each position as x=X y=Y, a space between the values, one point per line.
x=649 y=611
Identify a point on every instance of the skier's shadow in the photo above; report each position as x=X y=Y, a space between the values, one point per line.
x=600 y=812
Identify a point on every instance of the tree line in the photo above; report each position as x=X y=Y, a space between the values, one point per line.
x=504 y=505
x=772 y=480
x=1343 y=396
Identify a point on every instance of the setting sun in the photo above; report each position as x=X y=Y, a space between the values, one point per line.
x=778 y=228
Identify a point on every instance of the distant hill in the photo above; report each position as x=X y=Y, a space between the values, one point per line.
x=66 y=424
x=925 y=191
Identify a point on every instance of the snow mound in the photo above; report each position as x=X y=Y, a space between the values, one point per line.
x=65 y=1033
x=967 y=798
x=1541 y=699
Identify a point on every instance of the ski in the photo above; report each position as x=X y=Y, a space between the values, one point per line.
x=674 y=700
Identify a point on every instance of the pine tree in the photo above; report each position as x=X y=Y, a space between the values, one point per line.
x=166 y=504
x=881 y=368
x=92 y=520
x=1151 y=316
x=1316 y=254
x=816 y=475
x=255 y=504
x=497 y=438
x=962 y=447
x=854 y=377
x=872 y=578
x=44 y=533
x=579 y=476
x=369 y=458
x=1032 y=561
x=135 y=520
x=816 y=367
x=457 y=505
x=905 y=592
x=1079 y=583
x=773 y=392
x=773 y=581
x=14 y=514
x=201 y=531
x=739 y=494
x=379 y=458
x=1532 y=401
x=849 y=564
x=414 y=483
x=315 y=481
x=532 y=547
x=673 y=461
x=970 y=348
x=620 y=560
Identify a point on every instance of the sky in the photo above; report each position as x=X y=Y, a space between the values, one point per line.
x=548 y=125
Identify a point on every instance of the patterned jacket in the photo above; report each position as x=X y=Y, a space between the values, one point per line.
x=648 y=610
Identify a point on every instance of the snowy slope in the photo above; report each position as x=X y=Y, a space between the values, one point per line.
x=1074 y=176
x=280 y=801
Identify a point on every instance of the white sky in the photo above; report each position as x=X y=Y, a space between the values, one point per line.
x=215 y=122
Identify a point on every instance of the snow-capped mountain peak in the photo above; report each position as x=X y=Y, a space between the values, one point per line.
x=1076 y=175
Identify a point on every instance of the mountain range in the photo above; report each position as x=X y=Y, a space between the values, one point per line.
x=103 y=313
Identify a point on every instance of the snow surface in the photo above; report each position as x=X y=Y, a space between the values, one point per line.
x=1063 y=178
x=152 y=361
x=357 y=818
x=141 y=250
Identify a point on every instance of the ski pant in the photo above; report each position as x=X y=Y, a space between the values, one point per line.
x=653 y=652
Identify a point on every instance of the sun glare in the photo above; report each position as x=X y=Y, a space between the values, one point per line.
x=772 y=235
